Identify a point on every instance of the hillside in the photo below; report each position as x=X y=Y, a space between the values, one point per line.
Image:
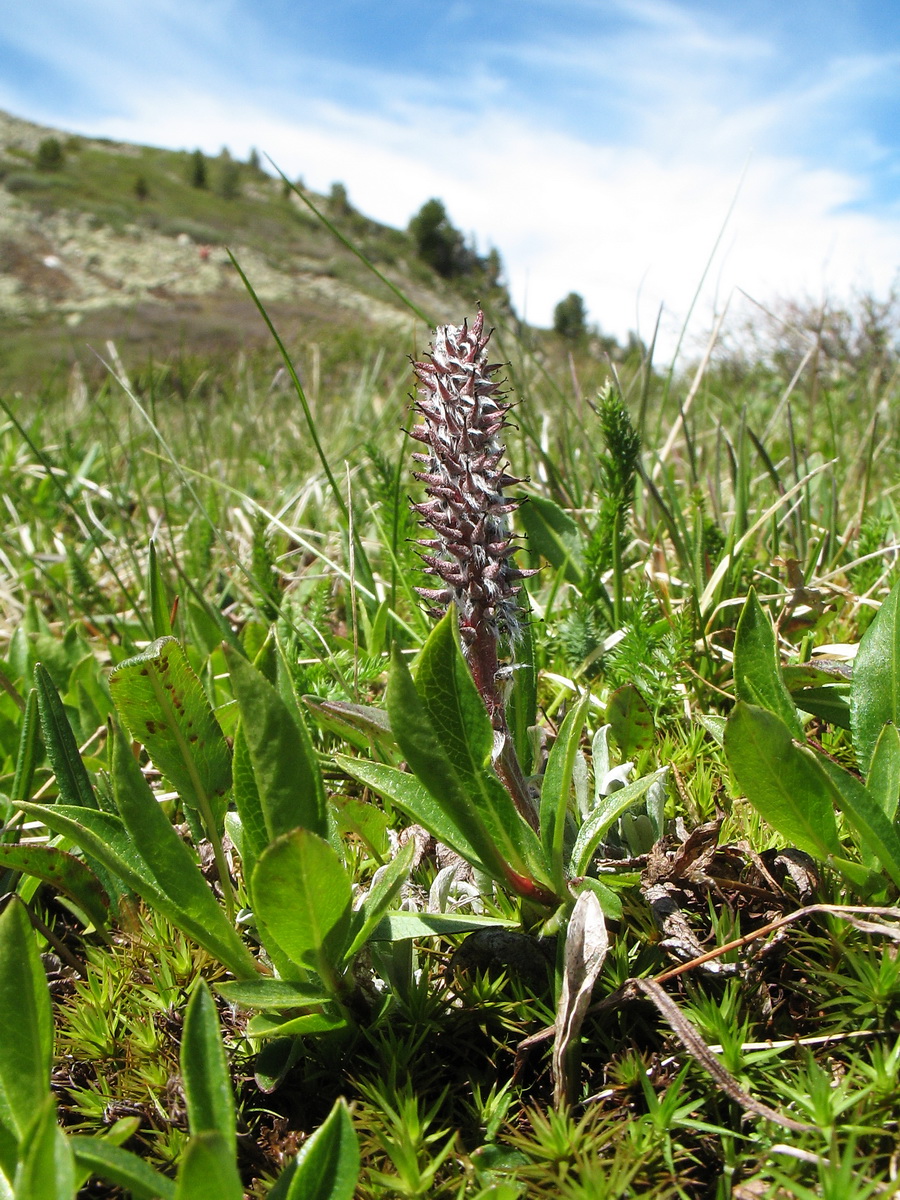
x=111 y=240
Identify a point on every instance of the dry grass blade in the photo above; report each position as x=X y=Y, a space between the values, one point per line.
x=587 y=943
x=701 y=1053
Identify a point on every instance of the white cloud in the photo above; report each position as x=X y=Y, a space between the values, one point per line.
x=628 y=219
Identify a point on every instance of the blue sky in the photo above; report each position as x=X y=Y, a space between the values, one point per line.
x=599 y=144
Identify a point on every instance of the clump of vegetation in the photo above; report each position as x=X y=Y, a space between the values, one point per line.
x=570 y=318
x=50 y=155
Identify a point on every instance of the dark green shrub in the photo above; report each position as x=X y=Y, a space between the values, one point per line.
x=50 y=156
x=569 y=318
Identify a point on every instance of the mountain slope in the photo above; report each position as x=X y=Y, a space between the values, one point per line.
x=101 y=239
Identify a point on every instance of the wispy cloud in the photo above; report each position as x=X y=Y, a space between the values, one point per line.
x=601 y=156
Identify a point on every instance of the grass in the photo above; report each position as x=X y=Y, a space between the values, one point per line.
x=780 y=483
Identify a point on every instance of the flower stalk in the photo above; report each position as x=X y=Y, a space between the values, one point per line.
x=470 y=549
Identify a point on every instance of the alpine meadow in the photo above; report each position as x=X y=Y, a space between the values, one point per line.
x=440 y=757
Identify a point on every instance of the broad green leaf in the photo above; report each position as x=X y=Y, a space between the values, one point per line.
x=62 y=749
x=609 y=901
x=288 y=780
x=757 y=671
x=111 y=1163
x=47 y=1168
x=169 y=862
x=162 y=704
x=400 y=926
x=328 y=1164
x=208 y=1170
x=875 y=690
x=607 y=810
x=384 y=890
x=630 y=719
x=64 y=872
x=26 y=759
x=160 y=619
x=875 y=831
x=204 y=1070
x=831 y=703
x=476 y=803
x=782 y=783
x=556 y=786
x=26 y=1048
x=272 y=995
x=553 y=534
x=303 y=897
x=106 y=839
x=359 y=724
x=884 y=772
x=326 y=1020
x=454 y=706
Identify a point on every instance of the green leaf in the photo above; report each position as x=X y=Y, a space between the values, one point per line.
x=757 y=672
x=359 y=724
x=62 y=749
x=874 y=829
x=64 y=872
x=208 y=1170
x=522 y=706
x=630 y=719
x=204 y=1069
x=458 y=776
x=288 y=779
x=400 y=926
x=556 y=786
x=246 y=800
x=160 y=619
x=782 y=783
x=272 y=995
x=386 y=886
x=162 y=704
x=122 y=1168
x=607 y=810
x=883 y=783
x=452 y=701
x=26 y=758
x=47 y=1168
x=326 y=1020
x=27 y=1045
x=328 y=1165
x=831 y=703
x=170 y=864
x=106 y=839
x=303 y=900
x=553 y=534
x=875 y=689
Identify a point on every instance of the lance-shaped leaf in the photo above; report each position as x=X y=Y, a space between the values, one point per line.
x=875 y=690
x=64 y=872
x=208 y=1169
x=192 y=908
x=101 y=1158
x=757 y=672
x=884 y=771
x=386 y=886
x=607 y=810
x=72 y=780
x=587 y=943
x=26 y=759
x=27 y=1045
x=455 y=770
x=47 y=1168
x=160 y=618
x=162 y=704
x=204 y=1069
x=557 y=783
x=288 y=780
x=782 y=783
x=303 y=898
x=553 y=534
x=327 y=1168
x=876 y=832
x=630 y=720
